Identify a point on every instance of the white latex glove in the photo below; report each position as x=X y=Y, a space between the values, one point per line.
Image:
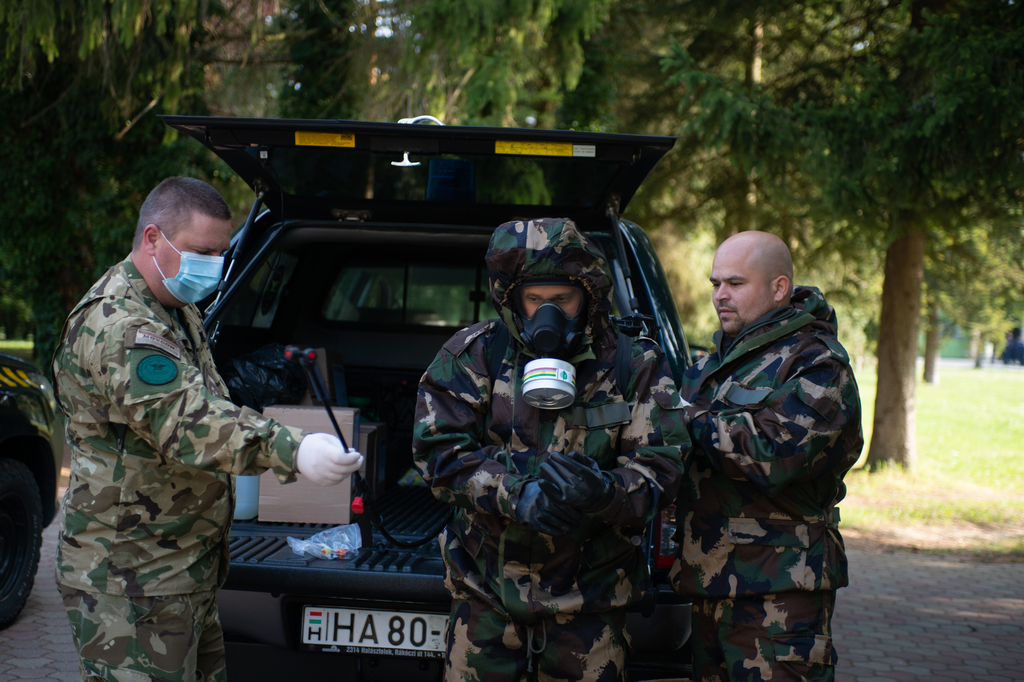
x=322 y=460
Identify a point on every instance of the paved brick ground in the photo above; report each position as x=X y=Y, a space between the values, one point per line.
x=905 y=617
x=38 y=645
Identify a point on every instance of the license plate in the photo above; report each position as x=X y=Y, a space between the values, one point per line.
x=378 y=633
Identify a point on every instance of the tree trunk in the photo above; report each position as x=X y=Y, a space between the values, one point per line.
x=892 y=437
x=931 y=346
x=977 y=348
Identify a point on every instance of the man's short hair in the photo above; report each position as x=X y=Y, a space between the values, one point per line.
x=171 y=204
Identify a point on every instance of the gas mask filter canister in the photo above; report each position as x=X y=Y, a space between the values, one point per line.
x=549 y=382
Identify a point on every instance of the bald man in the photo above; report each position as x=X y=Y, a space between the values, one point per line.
x=775 y=424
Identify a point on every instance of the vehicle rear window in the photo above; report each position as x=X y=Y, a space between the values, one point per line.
x=409 y=294
x=464 y=179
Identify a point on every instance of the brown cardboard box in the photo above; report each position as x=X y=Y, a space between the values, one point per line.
x=304 y=501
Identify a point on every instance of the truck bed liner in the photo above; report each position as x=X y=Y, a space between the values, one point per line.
x=261 y=556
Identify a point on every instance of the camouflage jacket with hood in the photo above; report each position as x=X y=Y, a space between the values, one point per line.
x=153 y=442
x=776 y=424
x=478 y=444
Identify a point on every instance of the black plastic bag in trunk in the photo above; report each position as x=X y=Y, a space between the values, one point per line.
x=263 y=378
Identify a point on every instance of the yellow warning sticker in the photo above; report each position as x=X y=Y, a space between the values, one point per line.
x=533 y=148
x=18 y=381
x=305 y=138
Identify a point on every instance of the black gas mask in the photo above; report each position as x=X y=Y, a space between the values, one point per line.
x=551 y=314
x=557 y=327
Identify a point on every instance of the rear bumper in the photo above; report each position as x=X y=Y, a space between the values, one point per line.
x=262 y=635
x=247 y=661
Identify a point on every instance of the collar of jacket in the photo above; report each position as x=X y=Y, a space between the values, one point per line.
x=770 y=327
x=170 y=316
x=138 y=283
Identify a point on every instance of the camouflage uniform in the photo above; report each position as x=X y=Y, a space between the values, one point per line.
x=478 y=444
x=776 y=424
x=148 y=508
x=138 y=639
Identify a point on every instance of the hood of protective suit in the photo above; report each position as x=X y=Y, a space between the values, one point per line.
x=811 y=300
x=549 y=247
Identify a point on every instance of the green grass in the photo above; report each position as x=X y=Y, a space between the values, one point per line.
x=18 y=347
x=970 y=455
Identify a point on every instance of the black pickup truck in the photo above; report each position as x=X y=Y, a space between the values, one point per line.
x=31 y=448
x=367 y=240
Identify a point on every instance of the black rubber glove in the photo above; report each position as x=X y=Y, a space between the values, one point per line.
x=577 y=481
x=540 y=513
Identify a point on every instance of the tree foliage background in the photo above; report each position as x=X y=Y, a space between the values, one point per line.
x=882 y=139
x=880 y=126
x=81 y=82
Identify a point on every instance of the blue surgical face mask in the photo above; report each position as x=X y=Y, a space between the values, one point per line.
x=197 y=278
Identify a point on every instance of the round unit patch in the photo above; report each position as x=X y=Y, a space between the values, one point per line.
x=157 y=370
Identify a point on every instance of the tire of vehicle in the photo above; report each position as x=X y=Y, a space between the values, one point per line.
x=21 y=527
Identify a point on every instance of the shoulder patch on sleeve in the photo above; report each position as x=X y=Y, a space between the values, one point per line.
x=152 y=374
x=145 y=338
x=156 y=370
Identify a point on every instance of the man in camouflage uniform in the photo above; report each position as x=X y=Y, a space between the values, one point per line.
x=775 y=425
x=154 y=441
x=544 y=555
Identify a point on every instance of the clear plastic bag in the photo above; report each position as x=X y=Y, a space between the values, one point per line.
x=333 y=543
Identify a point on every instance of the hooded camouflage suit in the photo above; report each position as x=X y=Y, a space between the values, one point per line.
x=776 y=424
x=153 y=442
x=478 y=444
